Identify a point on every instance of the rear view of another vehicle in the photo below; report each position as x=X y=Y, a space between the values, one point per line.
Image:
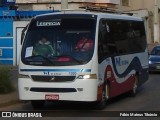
x=154 y=59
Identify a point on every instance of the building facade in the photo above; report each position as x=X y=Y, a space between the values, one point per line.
x=56 y=4
x=120 y=4
x=140 y=8
x=12 y=22
x=137 y=4
x=147 y=9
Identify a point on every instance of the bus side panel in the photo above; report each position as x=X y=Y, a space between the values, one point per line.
x=143 y=77
x=119 y=72
x=143 y=73
x=122 y=46
x=116 y=88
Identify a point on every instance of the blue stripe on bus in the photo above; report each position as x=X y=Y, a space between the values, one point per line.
x=7 y=42
x=134 y=65
x=55 y=70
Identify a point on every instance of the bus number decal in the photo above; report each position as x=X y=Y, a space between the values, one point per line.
x=46 y=73
x=59 y=74
x=72 y=73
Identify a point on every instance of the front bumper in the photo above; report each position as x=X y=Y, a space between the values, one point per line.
x=79 y=90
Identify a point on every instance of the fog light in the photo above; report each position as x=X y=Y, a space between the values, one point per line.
x=26 y=88
x=80 y=89
x=23 y=76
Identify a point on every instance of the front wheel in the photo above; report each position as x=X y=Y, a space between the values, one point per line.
x=37 y=104
x=102 y=104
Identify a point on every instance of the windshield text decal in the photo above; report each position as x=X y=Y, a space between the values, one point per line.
x=48 y=23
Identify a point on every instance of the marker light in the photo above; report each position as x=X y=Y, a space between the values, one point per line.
x=26 y=88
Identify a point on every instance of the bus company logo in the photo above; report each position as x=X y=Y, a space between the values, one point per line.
x=6 y=114
x=48 y=23
x=121 y=62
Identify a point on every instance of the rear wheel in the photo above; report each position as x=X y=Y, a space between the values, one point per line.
x=37 y=104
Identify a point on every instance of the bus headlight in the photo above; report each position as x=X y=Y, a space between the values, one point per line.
x=91 y=76
x=23 y=76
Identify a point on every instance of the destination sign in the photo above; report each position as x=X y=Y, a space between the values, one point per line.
x=48 y=23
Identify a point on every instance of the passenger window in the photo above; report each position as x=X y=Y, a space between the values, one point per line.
x=120 y=37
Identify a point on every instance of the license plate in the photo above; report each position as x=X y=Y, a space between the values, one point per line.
x=51 y=97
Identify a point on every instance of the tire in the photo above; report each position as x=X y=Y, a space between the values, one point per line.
x=102 y=104
x=133 y=92
x=37 y=104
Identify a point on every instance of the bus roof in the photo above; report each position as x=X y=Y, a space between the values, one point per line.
x=98 y=14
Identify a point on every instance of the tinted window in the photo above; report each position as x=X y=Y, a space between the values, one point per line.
x=120 y=37
x=155 y=51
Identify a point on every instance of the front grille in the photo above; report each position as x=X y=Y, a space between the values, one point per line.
x=53 y=78
x=56 y=90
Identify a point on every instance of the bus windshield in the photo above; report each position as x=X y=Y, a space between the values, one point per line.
x=59 y=41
